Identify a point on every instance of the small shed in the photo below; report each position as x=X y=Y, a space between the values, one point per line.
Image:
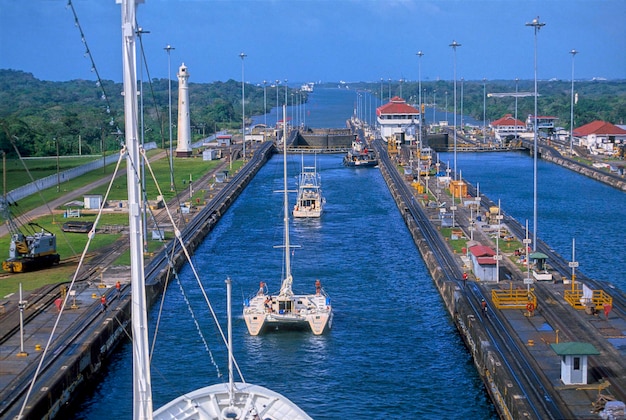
x=209 y=154
x=224 y=140
x=574 y=360
x=221 y=176
x=540 y=259
x=483 y=262
x=92 y=201
x=458 y=188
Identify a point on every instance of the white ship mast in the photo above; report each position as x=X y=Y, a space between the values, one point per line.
x=285 y=288
x=142 y=387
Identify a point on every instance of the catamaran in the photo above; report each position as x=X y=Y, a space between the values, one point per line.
x=310 y=202
x=285 y=309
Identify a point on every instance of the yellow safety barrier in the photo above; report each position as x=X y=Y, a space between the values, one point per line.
x=599 y=299
x=514 y=299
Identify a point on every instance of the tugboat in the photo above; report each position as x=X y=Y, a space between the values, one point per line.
x=360 y=156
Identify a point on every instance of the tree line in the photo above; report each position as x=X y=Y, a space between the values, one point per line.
x=597 y=100
x=37 y=116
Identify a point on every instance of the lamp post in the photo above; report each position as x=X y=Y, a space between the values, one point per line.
x=484 y=108
x=462 y=80
x=419 y=86
x=446 y=106
x=56 y=143
x=434 y=105
x=536 y=27
x=389 y=89
x=169 y=48
x=243 y=106
x=265 y=105
x=381 y=90
x=571 y=120
x=516 y=82
x=454 y=46
x=286 y=103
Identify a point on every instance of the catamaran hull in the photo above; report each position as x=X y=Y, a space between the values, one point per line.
x=311 y=312
x=317 y=324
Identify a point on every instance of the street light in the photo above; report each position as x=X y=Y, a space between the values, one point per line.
x=536 y=26
x=243 y=106
x=169 y=48
x=446 y=106
x=434 y=105
x=277 y=83
x=571 y=120
x=485 y=108
x=286 y=102
x=419 y=85
x=462 y=80
x=265 y=107
x=389 y=89
x=454 y=46
x=516 y=81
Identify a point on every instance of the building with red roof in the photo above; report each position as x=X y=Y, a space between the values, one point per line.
x=601 y=136
x=397 y=116
x=507 y=126
x=483 y=262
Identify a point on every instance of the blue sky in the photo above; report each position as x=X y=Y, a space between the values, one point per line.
x=321 y=40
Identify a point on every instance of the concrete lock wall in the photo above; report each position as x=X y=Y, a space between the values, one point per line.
x=499 y=382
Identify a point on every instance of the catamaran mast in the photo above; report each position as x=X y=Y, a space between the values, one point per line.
x=142 y=388
x=286 y=286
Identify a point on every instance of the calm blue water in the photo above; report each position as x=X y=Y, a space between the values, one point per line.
x=393 y=351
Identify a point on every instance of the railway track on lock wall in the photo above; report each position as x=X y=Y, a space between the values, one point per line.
x=557 y=262
x=532 y=384
x=560 y=314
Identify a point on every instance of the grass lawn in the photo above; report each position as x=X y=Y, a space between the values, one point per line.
x=72 y=244
x=184 y=169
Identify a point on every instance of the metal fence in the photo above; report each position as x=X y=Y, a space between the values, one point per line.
x=52 y=180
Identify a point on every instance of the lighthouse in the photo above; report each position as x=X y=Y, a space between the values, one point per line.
x=183 y=149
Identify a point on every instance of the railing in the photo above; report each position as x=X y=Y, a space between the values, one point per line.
x=598 y=300
x=514 y=299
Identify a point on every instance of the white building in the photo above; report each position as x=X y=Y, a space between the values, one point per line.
x=574 y=361
x=507 y=126
x=483 y=263
x=396 y=117
x=600 y=137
